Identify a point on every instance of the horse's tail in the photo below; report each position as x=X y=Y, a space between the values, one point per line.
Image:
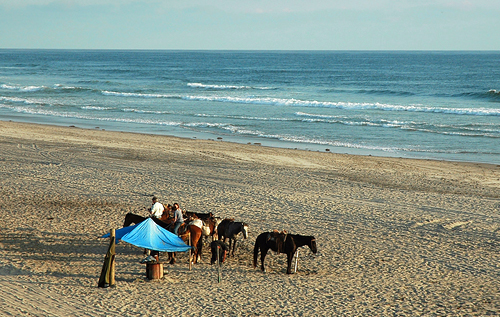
x=199 y=245
x=256 y=251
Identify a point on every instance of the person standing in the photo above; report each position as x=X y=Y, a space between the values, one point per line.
x=223 y=249
x=156 y=209
x=178 y=219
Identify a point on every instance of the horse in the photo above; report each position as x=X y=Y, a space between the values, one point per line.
x=229 y=229
x=131 y=218
x=191 y=234
x=199 y=215
x=165 y=221
x=281 y=243
x=209 y=228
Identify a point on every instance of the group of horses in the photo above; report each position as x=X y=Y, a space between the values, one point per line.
x=196 y=226
x=199 y=225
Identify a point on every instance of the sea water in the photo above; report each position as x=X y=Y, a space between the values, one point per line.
x=433 y=105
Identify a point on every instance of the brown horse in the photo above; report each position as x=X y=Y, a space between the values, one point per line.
x=209 y=228
x=281 y=243
x=191 y=234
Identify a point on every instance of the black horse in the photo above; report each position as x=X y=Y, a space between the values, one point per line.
x=131 y=218
x=281 y=243
x=229 y=229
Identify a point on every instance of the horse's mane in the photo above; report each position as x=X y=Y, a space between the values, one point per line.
x=301 y=236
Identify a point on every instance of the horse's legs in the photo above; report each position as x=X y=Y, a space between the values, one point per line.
x=194 y=256
x=200 y=247
x=234 y=246
x=171 y=257
x=197 y=247
x=289 y=258
x=263 y=252
x=230 y=244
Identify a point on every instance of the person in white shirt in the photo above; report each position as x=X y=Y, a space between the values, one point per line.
x=157 y=208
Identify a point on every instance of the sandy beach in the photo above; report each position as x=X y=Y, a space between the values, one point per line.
x=395 y=237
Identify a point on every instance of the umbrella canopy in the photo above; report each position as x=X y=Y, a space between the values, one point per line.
x=149 y=235
x=119 y=233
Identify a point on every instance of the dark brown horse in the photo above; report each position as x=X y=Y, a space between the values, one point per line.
x=199 y=215
x=165 y=221
x=131 y=218
x=281 y=243
x=229 y=229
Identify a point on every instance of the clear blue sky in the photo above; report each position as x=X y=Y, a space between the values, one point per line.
x=251 y=24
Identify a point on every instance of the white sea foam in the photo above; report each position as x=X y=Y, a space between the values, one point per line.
x=289 y=138
x=96 y=108
x=318 y=104
x=347 y=105
x=200 y=85
x=134 y=94
x=21 y=100
x=68 y=114
x=223 y=87
x=140 y=111
x=22 y=88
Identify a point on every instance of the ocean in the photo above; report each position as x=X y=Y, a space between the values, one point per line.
x=413 y=104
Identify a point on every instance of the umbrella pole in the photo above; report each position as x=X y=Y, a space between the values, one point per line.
x=218 y=265
x=112 y=282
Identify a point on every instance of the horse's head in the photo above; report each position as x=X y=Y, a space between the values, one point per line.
x=312 y=245
x=217 y=220
x=127 y=221
x=206 y=230
x=131 y=218
x=244 y=229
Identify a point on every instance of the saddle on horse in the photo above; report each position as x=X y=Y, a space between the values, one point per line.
x=278 y=239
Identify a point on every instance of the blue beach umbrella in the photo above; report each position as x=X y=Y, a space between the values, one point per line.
x=121 y=232
x=149 y=235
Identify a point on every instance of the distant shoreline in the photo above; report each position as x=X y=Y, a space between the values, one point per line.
x=258 y=142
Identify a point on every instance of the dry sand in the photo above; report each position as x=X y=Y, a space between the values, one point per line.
x=396 y=237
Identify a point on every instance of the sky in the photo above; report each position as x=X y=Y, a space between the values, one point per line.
x=251 y=24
